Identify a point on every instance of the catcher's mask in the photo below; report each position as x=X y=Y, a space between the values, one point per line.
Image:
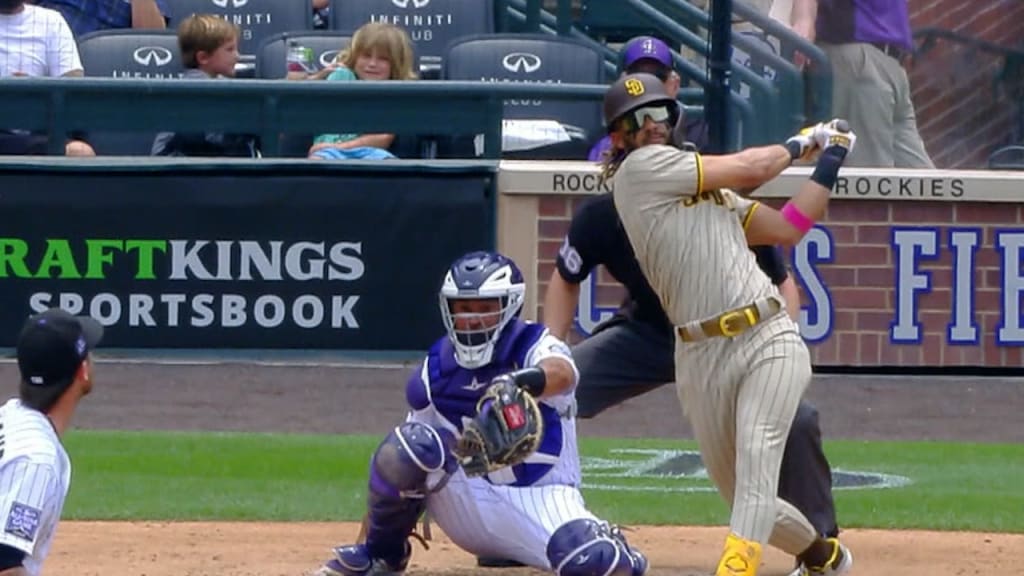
x=635 y=97
x=480 y=276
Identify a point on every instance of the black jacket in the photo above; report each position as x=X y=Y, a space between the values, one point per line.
x=209 y=144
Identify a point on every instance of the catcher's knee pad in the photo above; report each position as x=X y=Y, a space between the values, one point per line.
x=405 y=458
x=583 y=547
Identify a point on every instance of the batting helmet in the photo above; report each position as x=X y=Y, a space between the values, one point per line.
x=634 y=91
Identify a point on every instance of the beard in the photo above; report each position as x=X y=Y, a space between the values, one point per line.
x=10 y=5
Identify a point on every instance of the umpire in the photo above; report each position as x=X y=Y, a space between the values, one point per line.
x=632 y=353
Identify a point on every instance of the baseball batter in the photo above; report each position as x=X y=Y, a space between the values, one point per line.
x=35 y=472
x=532 y=512
x=741 y=366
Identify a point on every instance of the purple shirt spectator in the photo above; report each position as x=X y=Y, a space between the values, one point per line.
x=86 y=16
x=869 y=21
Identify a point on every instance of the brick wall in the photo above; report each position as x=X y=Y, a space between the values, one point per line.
x=862 y=281
x=964 y=112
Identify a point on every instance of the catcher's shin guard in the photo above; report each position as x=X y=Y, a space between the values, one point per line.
x=740 y=557
x=583 y=547
x=398 y=486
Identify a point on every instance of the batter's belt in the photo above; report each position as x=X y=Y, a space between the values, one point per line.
x=731 y=323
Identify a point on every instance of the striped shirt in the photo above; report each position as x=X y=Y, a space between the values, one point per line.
x=35 y=474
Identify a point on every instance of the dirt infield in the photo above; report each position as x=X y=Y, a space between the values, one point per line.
x=319 y=397
x=204 y=549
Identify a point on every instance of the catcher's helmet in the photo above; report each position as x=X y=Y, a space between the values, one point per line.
x=633 y=91
x=475 y=276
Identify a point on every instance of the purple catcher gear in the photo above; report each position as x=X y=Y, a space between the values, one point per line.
x=583 y=547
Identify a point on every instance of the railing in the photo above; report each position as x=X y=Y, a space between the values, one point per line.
x=269 y=108
x=795 y=98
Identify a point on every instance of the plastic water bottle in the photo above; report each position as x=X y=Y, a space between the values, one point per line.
x=300 y=58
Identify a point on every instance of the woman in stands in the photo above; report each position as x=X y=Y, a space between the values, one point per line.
x=378 y=51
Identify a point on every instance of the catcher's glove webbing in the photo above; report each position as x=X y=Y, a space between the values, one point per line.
x=505 y=431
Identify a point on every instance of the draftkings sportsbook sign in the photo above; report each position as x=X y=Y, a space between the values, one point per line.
x=341 y=261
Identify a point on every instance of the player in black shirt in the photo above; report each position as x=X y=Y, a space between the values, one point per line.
x=632 y=353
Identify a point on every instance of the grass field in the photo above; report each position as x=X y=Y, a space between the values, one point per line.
x=186 y=476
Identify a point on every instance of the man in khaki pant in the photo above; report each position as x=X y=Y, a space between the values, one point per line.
x=867 y=42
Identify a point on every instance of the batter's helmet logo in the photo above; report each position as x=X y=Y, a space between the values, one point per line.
x=155 y=56
x=521 y=62
x=406 y=3
x=634 y=87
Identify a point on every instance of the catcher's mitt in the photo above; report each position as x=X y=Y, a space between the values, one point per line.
x=506 y=430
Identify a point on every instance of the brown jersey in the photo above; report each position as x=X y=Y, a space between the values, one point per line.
x=690 y=244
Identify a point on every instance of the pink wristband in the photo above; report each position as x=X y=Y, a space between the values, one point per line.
x=798 y=219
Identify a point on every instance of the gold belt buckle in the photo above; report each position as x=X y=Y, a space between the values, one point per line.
x=732 y=323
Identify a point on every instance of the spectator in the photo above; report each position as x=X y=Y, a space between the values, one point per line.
x=321 y=14
x=867 y=42
x=378 y=51
x=36 y=41
x=209 y=49
x=652 y=56
x=86 y=16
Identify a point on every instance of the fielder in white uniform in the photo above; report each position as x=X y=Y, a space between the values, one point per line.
x=532 y=512
x=35 y=472
x=741 y=366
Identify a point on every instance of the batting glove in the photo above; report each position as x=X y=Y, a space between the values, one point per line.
x=835 y=133
x=803 y=145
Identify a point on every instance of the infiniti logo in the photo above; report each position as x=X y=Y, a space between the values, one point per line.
x=152 y=56
x=328 y=57
x=406 y=3
x=521 y=62
x=233 y=3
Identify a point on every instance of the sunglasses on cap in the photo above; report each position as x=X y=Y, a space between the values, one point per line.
x=636 y=119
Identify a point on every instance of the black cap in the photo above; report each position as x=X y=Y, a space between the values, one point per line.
x=53 y=344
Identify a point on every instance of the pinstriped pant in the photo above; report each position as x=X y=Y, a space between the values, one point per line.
x=505 y=521
x=740 y=395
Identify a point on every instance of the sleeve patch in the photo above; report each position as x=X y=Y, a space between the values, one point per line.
x=23 y=521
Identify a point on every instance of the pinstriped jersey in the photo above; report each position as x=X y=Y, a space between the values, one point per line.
x=690 y=243
x=35 y=474
x=442 y=394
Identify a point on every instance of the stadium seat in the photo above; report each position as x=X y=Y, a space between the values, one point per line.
x=533 y=58
x=1007 y=158
x=258 y=19
x=610 y=21
x=271 y=59
x=131 y=54
x=128 y=54
x=431 y=24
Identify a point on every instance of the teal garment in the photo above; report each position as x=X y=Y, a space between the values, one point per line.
x=342 y=74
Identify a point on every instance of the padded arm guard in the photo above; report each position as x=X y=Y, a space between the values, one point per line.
x=506 y=430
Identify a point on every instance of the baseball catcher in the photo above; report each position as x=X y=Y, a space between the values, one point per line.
x=490 y=434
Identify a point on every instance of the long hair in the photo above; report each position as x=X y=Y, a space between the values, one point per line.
x=385 y=40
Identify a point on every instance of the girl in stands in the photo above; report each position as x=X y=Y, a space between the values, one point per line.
x=378 y=51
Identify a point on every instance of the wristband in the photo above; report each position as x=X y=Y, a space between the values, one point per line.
x=533 y=380
x=798 y=219
x=827 y=171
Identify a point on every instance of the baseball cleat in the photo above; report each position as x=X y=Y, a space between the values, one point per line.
x=839 y=565
x=355 y=560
